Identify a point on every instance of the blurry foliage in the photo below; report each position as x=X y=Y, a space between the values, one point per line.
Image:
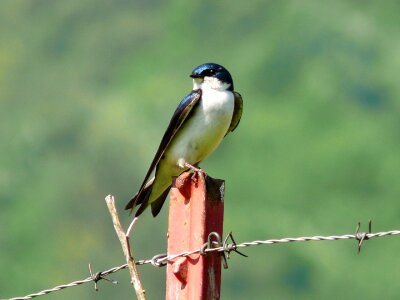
x=87 y=89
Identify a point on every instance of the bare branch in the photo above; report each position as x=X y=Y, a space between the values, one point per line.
x=124 y=240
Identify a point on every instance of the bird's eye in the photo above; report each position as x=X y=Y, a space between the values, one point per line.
x=211 y=72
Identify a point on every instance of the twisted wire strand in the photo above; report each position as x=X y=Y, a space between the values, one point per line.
x=233 y=246
x=162 y=259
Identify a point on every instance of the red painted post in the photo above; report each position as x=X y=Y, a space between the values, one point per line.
x=196 y=209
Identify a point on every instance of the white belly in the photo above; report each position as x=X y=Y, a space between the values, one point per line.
x=196 y=139
x=202 y=134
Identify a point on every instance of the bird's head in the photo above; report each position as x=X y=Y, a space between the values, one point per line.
x=212 y=76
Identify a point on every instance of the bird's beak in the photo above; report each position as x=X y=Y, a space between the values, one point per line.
x=195 y=75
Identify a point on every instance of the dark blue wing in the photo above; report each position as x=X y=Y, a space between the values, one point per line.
x=178 y=118
x=237 y=112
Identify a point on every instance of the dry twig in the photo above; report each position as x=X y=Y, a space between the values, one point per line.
x=124 y=240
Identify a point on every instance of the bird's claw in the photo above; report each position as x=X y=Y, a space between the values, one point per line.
x=193 y=168
x=195 y=171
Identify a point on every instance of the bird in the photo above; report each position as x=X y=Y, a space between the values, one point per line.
x=200 y=122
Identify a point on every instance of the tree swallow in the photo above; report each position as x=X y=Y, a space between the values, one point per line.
x=200 y=122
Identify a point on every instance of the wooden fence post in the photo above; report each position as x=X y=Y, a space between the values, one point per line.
x=196 y=209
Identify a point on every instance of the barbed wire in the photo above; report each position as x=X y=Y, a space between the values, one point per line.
x=215 y=244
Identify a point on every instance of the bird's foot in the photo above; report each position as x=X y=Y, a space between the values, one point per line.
x=195 y=170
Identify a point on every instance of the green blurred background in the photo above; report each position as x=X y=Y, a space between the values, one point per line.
x=87 y=89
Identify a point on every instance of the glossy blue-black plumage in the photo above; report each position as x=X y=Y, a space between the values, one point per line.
x=181 y=114
x=213 y=70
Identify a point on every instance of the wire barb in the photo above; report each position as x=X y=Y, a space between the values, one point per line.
x=99 y=276
x=362 y=236
x=228 y=248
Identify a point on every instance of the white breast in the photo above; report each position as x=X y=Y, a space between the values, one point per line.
x=202 y=134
